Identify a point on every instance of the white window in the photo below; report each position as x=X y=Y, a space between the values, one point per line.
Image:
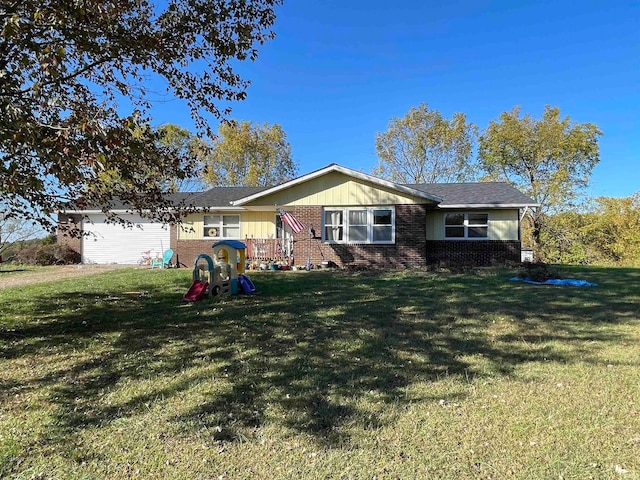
x=466 y=225
x=359 y=225
x=221 y=226
x=383 y=225
x=333 y=225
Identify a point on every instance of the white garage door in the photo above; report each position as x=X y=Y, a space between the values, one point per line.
x=112 y=243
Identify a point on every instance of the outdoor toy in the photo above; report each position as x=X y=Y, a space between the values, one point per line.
x=232 y=253
x=197 y=290
x=246 y=285
x=221 y=274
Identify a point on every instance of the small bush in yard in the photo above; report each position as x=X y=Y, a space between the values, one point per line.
x=538 y=272
x=48 y=255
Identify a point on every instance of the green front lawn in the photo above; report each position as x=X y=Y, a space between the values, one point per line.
x=322 y=375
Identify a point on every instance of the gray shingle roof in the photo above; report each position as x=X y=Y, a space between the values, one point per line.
x=215 y=197
x=462 y=194
x=117 y=204
x=222 y=196
x=480 y=193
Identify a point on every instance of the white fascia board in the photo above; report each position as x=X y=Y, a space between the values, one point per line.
x=346 y=171
x=135 y=212
x=89 y=212
x=260 y=208
x=232 y=208
x=490 y=205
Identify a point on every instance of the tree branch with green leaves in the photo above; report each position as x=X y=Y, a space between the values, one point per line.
x=75 y=112
x=550 y=159
x=425 y=147
x=248 y=154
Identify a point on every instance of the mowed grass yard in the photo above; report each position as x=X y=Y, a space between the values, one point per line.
x=322 y=375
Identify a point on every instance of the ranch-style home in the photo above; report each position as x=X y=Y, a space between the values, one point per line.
x=350 y=219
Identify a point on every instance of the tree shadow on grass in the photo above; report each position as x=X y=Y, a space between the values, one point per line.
x=302 y=352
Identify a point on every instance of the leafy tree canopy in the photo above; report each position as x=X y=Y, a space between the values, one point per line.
x=69 y=68
x=614 y=229
x=605 y=231
x=186 y=145
x=244 y=154
x=425 y=147
x=563 y=239
x=550 y=159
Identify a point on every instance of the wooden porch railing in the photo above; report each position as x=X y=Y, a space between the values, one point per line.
x=270 y=250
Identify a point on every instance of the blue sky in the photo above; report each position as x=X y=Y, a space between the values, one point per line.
x=339 y=70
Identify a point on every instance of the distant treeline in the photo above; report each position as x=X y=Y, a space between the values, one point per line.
x=39 y=251
x=606 y=231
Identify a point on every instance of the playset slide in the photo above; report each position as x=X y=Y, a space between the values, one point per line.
x=246 y=285
x=197 y=290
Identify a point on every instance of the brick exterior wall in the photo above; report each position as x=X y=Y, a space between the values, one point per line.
x=72 y=221
x=472 y=252
x=408 y=251
x=186 y=251
x=411 y=249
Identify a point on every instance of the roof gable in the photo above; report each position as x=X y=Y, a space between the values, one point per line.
x=403 y=189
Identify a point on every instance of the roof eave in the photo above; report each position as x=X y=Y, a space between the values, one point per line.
x=131 y=210
x=489 y=205
x=90 y=211
x=225 y=208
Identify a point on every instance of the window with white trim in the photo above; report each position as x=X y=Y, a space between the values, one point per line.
x=359 y=225
x=221 y=226
x=466 y=225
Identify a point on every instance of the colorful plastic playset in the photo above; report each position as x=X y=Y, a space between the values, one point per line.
x=220 y=274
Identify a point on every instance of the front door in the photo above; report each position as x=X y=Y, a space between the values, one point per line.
x=284 y=237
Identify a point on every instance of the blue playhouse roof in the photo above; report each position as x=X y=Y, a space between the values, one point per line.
x=237 y=244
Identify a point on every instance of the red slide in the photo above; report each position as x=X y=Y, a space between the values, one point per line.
x=196 y=292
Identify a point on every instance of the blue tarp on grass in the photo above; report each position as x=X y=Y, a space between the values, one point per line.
x=571 y=282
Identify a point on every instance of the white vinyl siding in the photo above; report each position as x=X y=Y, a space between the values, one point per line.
x=112 y=243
